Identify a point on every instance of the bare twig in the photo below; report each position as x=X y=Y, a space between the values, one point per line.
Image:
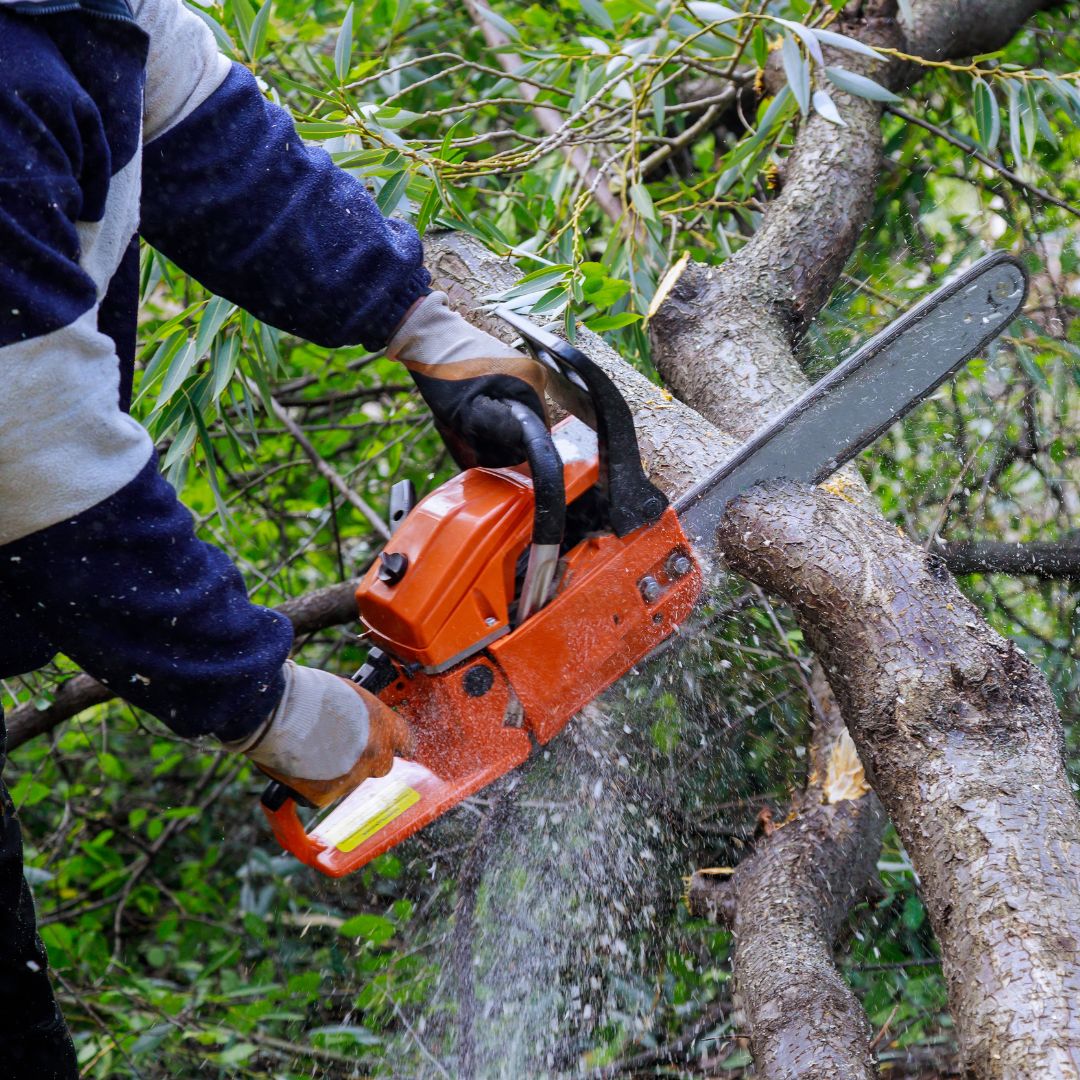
x=989 y=162
x=326 y=469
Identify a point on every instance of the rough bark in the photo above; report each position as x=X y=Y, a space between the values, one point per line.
x=785 y=905
x=962 y=742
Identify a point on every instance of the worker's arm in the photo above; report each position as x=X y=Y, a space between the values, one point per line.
x=235 y=197
x=98 y=559
x=232 y=194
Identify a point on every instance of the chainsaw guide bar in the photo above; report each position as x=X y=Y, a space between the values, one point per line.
x=488 y=637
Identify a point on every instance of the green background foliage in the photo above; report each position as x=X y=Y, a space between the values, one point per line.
x=183 y=943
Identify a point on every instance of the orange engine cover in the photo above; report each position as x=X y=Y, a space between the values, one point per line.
x=462 y=543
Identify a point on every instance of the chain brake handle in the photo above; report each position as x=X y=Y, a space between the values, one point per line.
x=583 y=388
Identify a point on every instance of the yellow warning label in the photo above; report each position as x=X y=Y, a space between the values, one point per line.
x=392 y=806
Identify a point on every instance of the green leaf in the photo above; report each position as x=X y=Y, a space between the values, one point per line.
x=428 y=209
x=598 y=13
x=255 y=42
x=552 y=300
x=238 y=1053
x=391 y=192
x=490 y=16
x=600 y=323
x=151 y=1039
x=243 y=16
x=1031 y=366
x=178 y=371
x=344 y=47
x=401 y=14
x=759 y=46
x=536 y=280
x=223 y=360
x=709 y=12
x=826 y=107
x=1029 y=116
x=806 y=36
x=859 y=85
x=659 y=107
x=987 y=115
x=914 y=915
x=343 y=1036
x=1015 y=132
x=213 y=316
x=842 y=41
x=375 y=928
x=797 y=71
x=642 y=200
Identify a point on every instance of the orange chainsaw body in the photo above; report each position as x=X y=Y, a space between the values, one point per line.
x=476 y=694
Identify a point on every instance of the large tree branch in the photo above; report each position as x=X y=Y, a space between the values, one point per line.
x=1040 y=558
x=785 y=904
x=962 y=741
x=725 y=341
x=961 y=28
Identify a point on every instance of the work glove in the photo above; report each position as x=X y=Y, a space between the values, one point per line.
x=326 y=736
x=469 y=380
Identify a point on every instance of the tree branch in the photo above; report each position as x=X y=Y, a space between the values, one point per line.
x=961 y=738
x=1040 y=558
x=978 y=155
x=724 y=341
x=785 y=904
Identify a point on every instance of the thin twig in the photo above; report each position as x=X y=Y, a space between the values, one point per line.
x=989 y=162
x=327 y=470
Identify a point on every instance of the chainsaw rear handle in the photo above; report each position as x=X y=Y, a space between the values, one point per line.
x=631 y=499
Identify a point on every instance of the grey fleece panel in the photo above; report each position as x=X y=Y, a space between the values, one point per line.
x=183 y=67
x=64 y=443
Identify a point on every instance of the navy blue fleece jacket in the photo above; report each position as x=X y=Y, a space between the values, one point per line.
x=118 y=120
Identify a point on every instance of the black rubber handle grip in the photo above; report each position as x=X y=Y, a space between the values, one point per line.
x=549 y=513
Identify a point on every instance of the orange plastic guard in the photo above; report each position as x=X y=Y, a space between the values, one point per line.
x=619 y=598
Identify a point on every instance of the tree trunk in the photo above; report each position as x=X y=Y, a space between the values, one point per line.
x=962 y=742
x=785 y=904
x=725 y=342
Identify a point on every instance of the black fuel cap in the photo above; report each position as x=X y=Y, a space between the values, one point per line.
x=392 y=567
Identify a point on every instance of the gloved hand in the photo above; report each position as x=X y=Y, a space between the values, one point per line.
x=326 y=736
x=468 y=379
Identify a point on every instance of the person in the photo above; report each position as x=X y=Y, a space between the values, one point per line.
x=117 y=121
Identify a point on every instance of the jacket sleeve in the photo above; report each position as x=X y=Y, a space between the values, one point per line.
x=98 y=559
x=232 y=194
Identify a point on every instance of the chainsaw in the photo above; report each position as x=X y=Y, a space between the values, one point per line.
x=508 y=599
